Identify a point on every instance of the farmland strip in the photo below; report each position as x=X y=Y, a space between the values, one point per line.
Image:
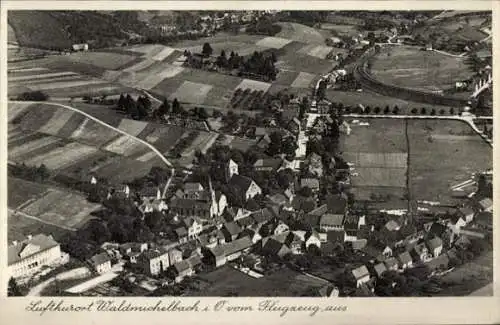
x=41 y=76
x=57 y=122
x=30 y=146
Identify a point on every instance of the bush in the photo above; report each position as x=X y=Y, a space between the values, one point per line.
x=33 y=96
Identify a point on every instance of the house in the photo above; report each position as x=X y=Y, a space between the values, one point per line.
x=149 y=193
x=336 y=236
x=80 y=47
x=273 y=247
x=315 y=164
x=435 y=246
x=486 y=205
x=331 y=221
x=153 y=261
x=391 y=264
x=244 y=186
x=267 y=164
x=193 y=226
x=181 y=234
x=294 y=242
x=101 y=263
x=174 y=255
x=462 y=242
x=231 y=169
x=149 y=206
x=456 y=223
x=361 y=275
x=377 y=250
x=122 y=191
x=131 y=251
x=421 y=252
x=440 y=263
x=303 y=203
x=231 y=230
x=312 y=183
x=405 y=260
x=280 y=228
x=323 y=107
x=294 y=126
x=467 y=214
x=27 y=257
x=379 y=269
x=392 y=225
x=436 y=230
x=484 y=220
x=191 y=208
x=252 y=234
x=182 y=269
x=345 y=128
x=312 y=238
x=328 y=291
x=219 y=255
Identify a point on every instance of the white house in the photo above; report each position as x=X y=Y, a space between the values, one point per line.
x=101 y=263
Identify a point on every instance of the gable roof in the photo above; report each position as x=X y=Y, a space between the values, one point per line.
x=312 y=183
x=273 y=163
x=100 y=259
x=241 y=182
x=333 y=220
x=360 y=272
x=41 y=241
x=180 y=203
x=484 y=218
x=182 y=266
x=391 y=262
x=237 y=245
x=335 y=236
x=193 y=187
x=181 y=231
x=437 y=229
x=232 y=228
x=486 y=203
x=405 y=258
x=380 y=269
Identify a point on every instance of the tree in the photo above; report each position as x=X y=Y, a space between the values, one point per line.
x=423 y=111
x=452 y=111
x=207 y=50
x=202 y=113
x=441 y=111
x=433 y=112
x=306 y=191
x=13 y=289
x=122 y=102
x=176 y=107
x=395 y=111
x=386 y=110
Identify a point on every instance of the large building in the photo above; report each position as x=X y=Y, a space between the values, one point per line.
x=26 y=258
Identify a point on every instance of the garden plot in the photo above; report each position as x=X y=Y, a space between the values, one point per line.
x=146 y=63
x=41 y=76
x=151 y=81
x=15 y=152
x=163 y=54
x=124 y=145
x=380 y=177
x=149 y=50
x=147 y=156
x=62 y=208
x=27 y=69
x=319 y=51
x=254 y=85
x=123 y=170
x=303 y=80
x=93 y=133
x=21 y=191
x=57 y=122
x=105 y=60
x=132 y=127
x=165 y=138
x=191 y=92
x=34 y=82
x=15 y=109
x=61 y=157
x=23 y=138
x=300 y=33
x=381 y=160
x=93 y=90
x=36 y=116
x=67 y=84
x=273 y=42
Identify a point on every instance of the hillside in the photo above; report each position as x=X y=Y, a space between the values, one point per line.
x=59 y=29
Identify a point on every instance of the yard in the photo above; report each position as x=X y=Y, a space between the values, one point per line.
x=417 y=69
x=21 y=191
x=226 y=281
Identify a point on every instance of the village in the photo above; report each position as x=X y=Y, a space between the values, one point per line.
x=309 y=194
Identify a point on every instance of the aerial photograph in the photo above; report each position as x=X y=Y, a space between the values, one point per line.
x=262 y=153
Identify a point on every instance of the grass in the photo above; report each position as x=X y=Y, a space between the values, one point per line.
x=19 y=226
x=226 y=281
x=109 y=61
x=442 y=153
x=300 y=33
x=417 y=69
x=21 y=191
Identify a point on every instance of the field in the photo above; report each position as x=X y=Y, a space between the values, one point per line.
x=457 y=152
x=300 y=33
x=191 y=92
x=422 y=70
x=340 y=30
x=227 y=281
x=440 y=153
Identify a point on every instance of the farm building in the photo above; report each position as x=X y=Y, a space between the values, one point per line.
x=80 y=47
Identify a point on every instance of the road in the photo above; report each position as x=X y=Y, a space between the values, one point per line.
x=71 y=274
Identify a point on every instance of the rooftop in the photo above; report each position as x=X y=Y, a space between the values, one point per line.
x=334 y=220
x=28 y=247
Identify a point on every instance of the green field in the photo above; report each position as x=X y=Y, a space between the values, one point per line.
x=414 y=68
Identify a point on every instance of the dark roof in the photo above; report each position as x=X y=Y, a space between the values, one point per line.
x=434 y=243
x=28 y=247
x=351 y=222
x=273 y=247
x=484 y=218
x=380 y=268
x=241 y=182
x=262 y=215
x=273 y=163
x=149 y=191
x=232 y=228
x=390 y=262
x=193 y=187
x=405 y=258
x=100 y=259
x=437 y=230
x=359 y=244
x=181 y=231
x=246 y=221
x=301 y=203
x=336 y=204
x=182 y=266
x=189 y=204
x=336 y=236
x=237 y=245
x=153 y=253
x=319 y=211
